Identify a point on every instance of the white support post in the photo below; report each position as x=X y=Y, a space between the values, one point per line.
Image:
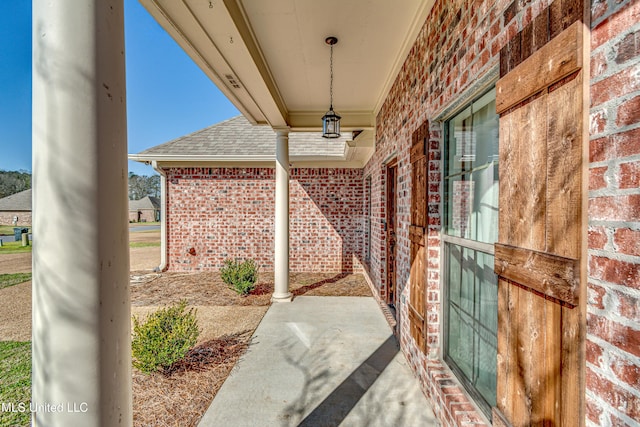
x=281 y=292
x=163 y=217
x=81 y=306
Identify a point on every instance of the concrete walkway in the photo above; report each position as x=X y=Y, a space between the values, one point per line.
x=321 y=361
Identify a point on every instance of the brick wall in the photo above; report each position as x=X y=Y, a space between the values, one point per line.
x=613 y=311
x=6 y=217
x=229 y=213
x=142 y=215
x=458 y=46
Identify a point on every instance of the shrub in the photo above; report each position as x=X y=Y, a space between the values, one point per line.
x=240 y=276
x=164 y=338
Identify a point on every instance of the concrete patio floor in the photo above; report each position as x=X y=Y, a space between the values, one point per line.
x=321 y=361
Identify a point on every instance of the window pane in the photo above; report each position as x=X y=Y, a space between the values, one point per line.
x=467 y=291
x=473 y=205
x=460 y=196
x=485 y=130
x=461 y=144
x=488 y=291
x=472 y=320
x=487 y=317
x=461 y=340
x=461 y=306
x=486 y=367
x=472 y=172
x=455 y=264
x=483 y=223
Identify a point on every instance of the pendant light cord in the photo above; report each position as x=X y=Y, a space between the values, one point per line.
x=331 y=78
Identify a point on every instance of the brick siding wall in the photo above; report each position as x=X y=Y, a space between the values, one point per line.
x=229 y=213
x=142 y=215
x=613 y=311
x=459 y=45
x=6 y=218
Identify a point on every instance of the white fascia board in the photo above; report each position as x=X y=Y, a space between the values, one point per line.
x=168 y=161
x=190 y=158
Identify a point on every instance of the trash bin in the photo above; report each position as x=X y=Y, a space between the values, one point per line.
x=17 y=233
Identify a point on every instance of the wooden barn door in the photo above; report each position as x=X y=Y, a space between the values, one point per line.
x=540 y=253
x=418 y=235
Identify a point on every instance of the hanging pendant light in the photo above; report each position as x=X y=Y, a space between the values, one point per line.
x=331 y=120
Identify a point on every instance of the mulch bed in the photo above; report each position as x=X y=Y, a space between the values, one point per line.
x=208 y=289
x=181 y=396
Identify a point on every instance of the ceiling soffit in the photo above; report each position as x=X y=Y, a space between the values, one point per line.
x=269 y=57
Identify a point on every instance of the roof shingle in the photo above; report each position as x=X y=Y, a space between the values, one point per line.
x=17 y=202
x=239 y=138
x=147 y=202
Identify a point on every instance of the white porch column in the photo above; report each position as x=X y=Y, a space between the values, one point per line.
x=281 y=292
x=81 y=307
x=163 y=216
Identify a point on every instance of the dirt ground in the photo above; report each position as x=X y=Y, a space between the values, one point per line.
x=15 y=263
x=15 y=312
x=226 y=320
x=15 y=301
x=144 y=258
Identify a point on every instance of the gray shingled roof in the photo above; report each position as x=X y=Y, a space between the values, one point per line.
x=17 y=202
x=147 y=202
x=237 y=137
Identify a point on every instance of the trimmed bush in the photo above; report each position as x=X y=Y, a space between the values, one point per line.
x=164 y=338
x=240 y=276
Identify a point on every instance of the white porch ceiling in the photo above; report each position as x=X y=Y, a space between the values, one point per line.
x=270 y=59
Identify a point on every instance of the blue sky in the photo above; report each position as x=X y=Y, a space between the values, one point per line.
x=167 y=94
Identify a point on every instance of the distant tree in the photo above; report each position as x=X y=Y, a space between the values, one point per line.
x=12 y=182
x=141 y=186
x=153 y=185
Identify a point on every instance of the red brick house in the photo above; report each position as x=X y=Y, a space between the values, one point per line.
x=16 y=207
x=146 y=209
x=495 y=201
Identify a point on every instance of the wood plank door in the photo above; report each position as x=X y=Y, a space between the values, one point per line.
x=540 y=254
x=392 y=204
x=418 y=236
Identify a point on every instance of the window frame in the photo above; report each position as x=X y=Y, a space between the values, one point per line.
x=448 y=240
x=368 y=220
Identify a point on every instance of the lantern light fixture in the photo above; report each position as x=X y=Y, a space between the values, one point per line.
x=331 y=120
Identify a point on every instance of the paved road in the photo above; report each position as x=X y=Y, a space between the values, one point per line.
x=132 y=229
x=144 y=228
x=12 y=238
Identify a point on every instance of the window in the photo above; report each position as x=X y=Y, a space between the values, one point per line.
x=471 y=228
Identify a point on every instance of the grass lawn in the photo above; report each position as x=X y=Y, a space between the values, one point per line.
x=138 y=224
x=143 y=244
x=14 y=248
x=7 y=230
x=7 y=280
x=15 y=381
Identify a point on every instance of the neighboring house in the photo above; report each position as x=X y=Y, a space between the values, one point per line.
x=16 y=209
x=146 y=209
